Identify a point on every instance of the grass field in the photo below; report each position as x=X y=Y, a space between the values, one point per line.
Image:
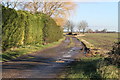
x=101 y=40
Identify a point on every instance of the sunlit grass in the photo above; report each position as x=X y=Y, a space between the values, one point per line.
x=92 y=67
x=85 y=68
x=71 y=43
x=22 y=50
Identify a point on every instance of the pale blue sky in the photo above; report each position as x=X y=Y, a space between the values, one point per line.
x=99 y=15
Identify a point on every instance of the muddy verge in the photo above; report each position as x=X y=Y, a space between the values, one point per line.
x=89 y=51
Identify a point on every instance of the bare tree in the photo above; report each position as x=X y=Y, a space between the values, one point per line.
x=69 y=26
x=104 y=30
x=89 y=30
x=33 y=6
x=10 y=4
x=83 y=25
x=59 y=11
x=79 y=28
x=50 y=8
x=5 y=3
x=22 y=5
x=97 y=31
x=14 y=4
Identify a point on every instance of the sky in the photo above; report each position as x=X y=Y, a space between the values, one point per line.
x=98 y=15
x=67 y=0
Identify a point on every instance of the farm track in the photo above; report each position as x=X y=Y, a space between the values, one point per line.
x=44 y=64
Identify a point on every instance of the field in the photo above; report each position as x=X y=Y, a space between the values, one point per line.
x=95 y=66
x=104 y=41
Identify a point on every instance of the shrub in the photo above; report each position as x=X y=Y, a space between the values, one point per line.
x=109 y=67
x=114 y=57
x=107 y=70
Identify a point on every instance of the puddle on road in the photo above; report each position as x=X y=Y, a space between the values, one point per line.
x=67 y=57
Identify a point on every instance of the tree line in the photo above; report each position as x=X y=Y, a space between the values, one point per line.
x=69 y=26
x=82 y=26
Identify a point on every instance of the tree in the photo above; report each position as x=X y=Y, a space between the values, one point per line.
x=104 y=30
x=69 y=26
x=59 y=11
x=83 y=25
x=33 y=6
x=9 y=4
x=89 y=30
x=97 y=31
x=79 y=28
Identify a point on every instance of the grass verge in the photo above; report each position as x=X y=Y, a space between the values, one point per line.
x=22 y=50
x=90 y=68
x=71 y=43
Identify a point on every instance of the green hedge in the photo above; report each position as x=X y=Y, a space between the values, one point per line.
x=33 y=29
x=24 y=28
x=12 y=28
x=51 y=32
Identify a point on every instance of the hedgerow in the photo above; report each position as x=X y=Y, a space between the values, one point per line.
x=24 y=28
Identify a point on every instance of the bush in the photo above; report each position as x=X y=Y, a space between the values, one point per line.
x=114 y=55
x=107 y=70
x=116 y=49
x=109 y=67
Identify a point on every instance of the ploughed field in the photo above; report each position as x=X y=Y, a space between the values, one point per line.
x=101 y=40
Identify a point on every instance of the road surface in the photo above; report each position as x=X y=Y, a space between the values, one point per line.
x=44 y=64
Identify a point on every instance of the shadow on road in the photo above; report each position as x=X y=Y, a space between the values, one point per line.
x=43 y=64
x=29 y=62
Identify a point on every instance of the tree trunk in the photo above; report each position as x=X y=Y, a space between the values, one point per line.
x=79 y=30
x=83 y=31
x=68 y=30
